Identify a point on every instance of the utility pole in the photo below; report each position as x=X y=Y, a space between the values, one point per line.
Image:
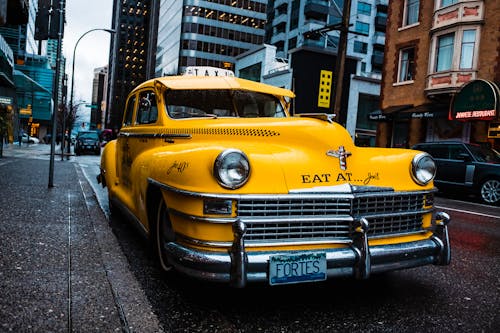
x=55 y=93
x=338 y=75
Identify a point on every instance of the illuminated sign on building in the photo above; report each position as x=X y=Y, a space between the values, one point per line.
x=476 y=100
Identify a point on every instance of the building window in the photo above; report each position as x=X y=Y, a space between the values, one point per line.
x=406 y=65
x=364 y=8
x=445 y=52
x=467 y=52
x=362 y=27
x=360 y=47
x=411 y=12
x=445 y=3
x=252 y=72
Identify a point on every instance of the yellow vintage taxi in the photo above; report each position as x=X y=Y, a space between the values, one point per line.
x=229 y=187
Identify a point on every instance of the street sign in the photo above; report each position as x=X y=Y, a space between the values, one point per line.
x=92 y=106
x=5 y=100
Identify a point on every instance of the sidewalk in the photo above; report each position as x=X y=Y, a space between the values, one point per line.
x=61 y=268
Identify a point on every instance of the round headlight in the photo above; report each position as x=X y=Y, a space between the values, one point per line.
x=231 y=169
x=423 y=168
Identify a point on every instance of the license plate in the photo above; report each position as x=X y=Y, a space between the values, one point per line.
x=297 y=268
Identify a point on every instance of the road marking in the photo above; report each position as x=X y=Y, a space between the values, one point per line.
x=468 y=212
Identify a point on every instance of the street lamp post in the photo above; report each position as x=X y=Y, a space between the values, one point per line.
x=111 y=31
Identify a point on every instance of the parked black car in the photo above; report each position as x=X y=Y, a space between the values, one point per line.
x=88 y=141
x=466 y=167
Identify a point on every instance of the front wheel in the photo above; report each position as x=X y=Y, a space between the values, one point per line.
x=490 y=191
x=162 y=234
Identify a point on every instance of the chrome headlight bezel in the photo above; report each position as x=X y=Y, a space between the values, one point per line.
x=231 y=169
x=423 y=169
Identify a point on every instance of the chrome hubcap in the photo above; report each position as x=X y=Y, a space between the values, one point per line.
x=490 y=191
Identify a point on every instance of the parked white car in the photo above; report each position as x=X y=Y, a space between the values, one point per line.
x=29 y=139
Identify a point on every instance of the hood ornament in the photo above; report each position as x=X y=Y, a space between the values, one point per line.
x=341 y=154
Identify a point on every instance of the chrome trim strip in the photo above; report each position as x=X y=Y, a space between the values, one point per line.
x=399 y=234
x=258 y=219
x=469 y=175
x=405 y=213
x=291 y=195
x=323 y=218
x=155 y=135
x=298 y=219
x=201 y=218
x=255 y=243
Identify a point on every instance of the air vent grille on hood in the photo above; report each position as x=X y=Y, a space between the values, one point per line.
x=225 y=131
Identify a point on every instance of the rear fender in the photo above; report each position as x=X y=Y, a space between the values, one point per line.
x=108 y=166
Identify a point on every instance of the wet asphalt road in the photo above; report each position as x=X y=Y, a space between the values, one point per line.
x=462 y=297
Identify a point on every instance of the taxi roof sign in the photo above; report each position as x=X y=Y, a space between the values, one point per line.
x=207 y=71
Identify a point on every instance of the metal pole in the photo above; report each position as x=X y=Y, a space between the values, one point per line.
x=73 y=66
x=340 y=64
x=55 y=93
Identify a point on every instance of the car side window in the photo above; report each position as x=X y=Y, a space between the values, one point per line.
x=457 y=152
x=439 y=152
x=435 y=151
x=129 y=111
x=147 y=110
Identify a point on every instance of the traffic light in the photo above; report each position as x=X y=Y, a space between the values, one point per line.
x=14 y=12
x=42 y=20
x=3 y=12
x=314 y=35
x=47 y=19
x=54 y=19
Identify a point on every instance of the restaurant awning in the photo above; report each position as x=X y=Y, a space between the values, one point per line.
x=476 y=100
x=424 y=111
x=407 y=112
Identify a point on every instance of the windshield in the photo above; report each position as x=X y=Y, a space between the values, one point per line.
x=221 y=103
x=483 y=154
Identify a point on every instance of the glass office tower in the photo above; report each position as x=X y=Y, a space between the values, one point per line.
x=207 y=33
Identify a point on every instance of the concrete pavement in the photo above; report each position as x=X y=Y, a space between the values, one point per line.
x=61 y=267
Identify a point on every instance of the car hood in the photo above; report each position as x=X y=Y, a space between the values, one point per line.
x=286 y=155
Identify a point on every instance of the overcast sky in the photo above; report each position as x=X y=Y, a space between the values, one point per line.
x=92 y=50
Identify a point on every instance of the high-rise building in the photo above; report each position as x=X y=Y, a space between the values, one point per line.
x=288 y=27
x=207 y=33
x=442 y=73
x=21 y=37
x=32 y=73
x=132 y=52
x=99 y=95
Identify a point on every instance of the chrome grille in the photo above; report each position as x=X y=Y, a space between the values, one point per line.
x=284 y=207
x=299 y=217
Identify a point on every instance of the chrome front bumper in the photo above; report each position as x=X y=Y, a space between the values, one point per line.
x=358 y=260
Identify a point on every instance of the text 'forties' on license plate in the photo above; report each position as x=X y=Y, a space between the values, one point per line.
x=297 y=268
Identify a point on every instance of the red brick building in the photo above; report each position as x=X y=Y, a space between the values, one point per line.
x=434 y=49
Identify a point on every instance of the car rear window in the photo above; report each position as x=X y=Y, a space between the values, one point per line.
x=88 y=135
x=436 y=151
x=483 y=154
